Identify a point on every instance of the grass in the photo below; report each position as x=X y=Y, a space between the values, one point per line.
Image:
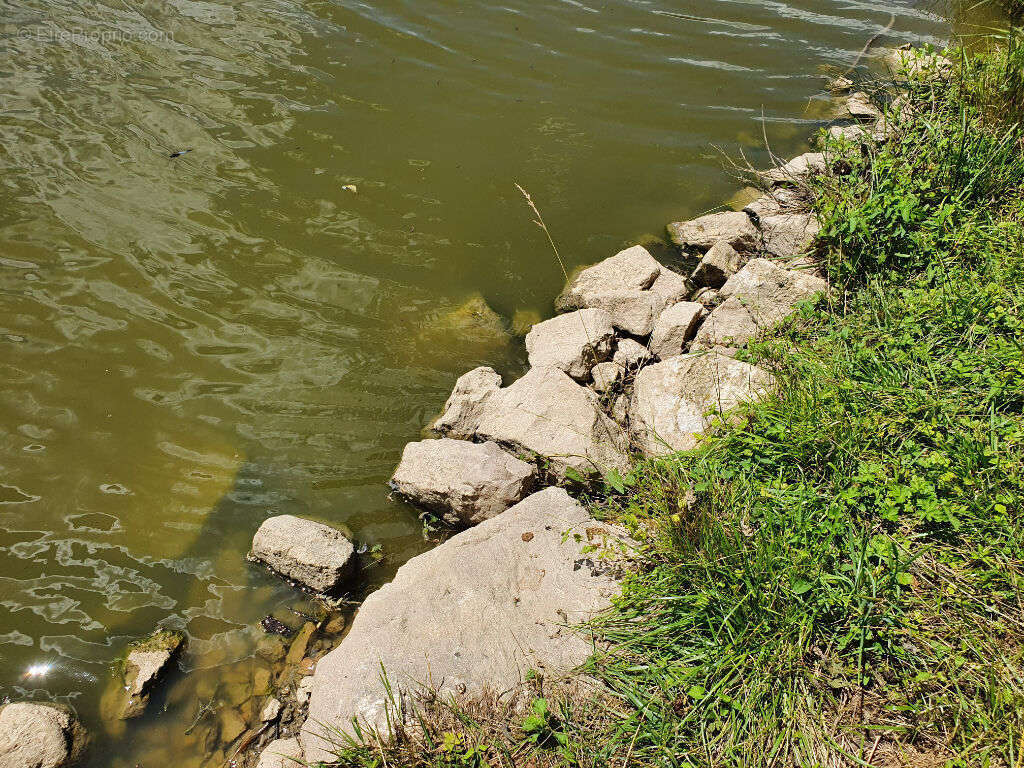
x=837 y=580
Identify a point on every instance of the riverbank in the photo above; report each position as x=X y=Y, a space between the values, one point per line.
x=835 y=580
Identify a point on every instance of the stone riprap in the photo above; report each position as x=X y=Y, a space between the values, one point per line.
x=471 y=616
x=720 y=263
x=701 y=234
x=147 y=662
x=282 y=753
x=311 y=554
x=465 y=483
x=675 y=327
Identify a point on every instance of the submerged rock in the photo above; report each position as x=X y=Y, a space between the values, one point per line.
x=146 y=663
x=315 y=555
x=464 y=482
x=471 y=616
x=757 y=297
x=672 y=400
x=572 y=343
x=36 y=735
x=462 y=411
x=548 y=414
x=675 y=327
x=282 y=753
x=734 y=227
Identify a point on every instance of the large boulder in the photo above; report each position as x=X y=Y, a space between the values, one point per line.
x=282 y=753
x=781 y=199
x=673 y=400
x=470 y=617
x=757 y=297
x=631 y=286
x=675 y=327
x=147 y=662
x=573 y=343
x=466 y=483
x=734 y=227
x=39 y=736
x=462 y=411
x=547 y=414
x=312 y=554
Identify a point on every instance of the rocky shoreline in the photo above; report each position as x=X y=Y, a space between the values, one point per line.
x=641 y=361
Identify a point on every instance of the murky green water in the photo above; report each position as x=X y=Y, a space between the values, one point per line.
x=258 y=326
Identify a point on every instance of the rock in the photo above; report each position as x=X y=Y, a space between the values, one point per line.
x=231 y=725
x=297 y=650
x=465 y=483
x=145 y=665
x=770 y=292
x=839 y=84
x=523 y=320
x=917 y=63
x=708 y=298
x=39 y=736
x=854 y=134
x=670 y=287
x=632 y=312
x=859 y=105
x=304 y=690
x=675 y=327
x=572 y=343
x=548 y=414
x=782 y=199
x=631 y=286
x=282 y=753
x=260 y=681
x=798 y=169
x=729 y=325
x=630 y=354
x=270 y=648
x=462 y=410
x=718 y=265
x=702 y=233
x=620 y=409
x=672 y=399
x=316 y=556
x=471 y=616
x=271 y=710
x=633 y=269
x=336 y=625
x=606 y=376
x=757 y=297
x=789 y=235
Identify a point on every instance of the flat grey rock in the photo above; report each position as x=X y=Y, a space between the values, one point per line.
x=312 y=554
x=472 y=616
x=39 y=736
x=734 y=227
x=466 y=483
x=633 y=269
x=572 y=343
x=547 y=414
x=462 y=410
x=675 y=327
x=672 y=399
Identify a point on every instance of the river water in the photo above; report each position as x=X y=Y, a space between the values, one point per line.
x=189 y=345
